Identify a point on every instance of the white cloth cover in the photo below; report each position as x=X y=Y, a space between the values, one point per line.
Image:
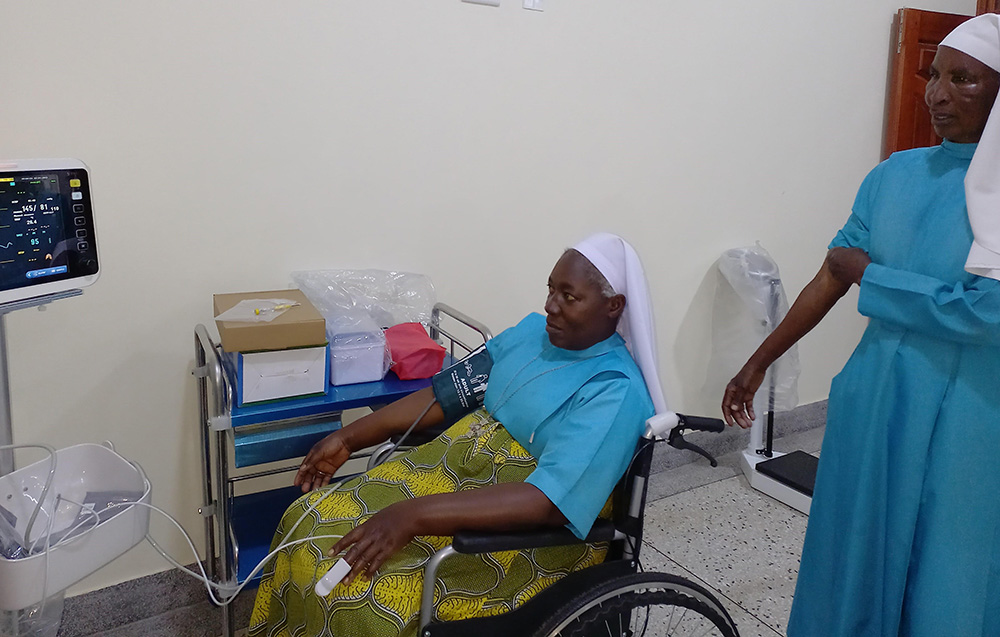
x=620 y=265
x=980 y=38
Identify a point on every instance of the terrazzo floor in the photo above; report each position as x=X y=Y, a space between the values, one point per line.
x=706 y=524
x=710 y=526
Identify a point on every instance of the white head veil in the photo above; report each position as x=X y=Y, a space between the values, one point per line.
x=620 y=265
x=980 y=38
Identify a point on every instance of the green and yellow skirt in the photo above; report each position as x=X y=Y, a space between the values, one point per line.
x=475 y=452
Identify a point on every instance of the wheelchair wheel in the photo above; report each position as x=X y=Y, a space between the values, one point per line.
x=642 y=604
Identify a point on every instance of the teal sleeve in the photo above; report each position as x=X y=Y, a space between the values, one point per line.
x=511 y=337
x=855 y=233
x=950 y=311
x=593 y=446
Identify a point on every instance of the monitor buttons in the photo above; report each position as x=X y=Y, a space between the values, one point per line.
x=81 y=234
x=80 y=221
x=78 y=208
x=74 y=183
x=77 y=195
x=82 y=246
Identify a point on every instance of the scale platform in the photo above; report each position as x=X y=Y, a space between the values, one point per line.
x=787 y=477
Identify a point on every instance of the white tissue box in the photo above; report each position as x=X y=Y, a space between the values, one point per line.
x=357 y=350
x=285 y=373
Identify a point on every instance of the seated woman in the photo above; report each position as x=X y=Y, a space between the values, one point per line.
x=572 y=401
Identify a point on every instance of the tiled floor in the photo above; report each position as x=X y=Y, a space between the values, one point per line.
x=706 y=524
x=710 y=526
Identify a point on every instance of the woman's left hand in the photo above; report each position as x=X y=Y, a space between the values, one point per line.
x=847 y=265
x=370 y=544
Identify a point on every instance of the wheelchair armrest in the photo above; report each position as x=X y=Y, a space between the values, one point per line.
x=488 y=542
x=423 y=436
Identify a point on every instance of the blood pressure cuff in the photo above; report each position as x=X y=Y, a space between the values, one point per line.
x=460 y=389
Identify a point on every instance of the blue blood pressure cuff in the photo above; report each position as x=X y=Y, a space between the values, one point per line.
x=460 y=389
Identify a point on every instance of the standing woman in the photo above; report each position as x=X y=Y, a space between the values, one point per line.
x=904 y=531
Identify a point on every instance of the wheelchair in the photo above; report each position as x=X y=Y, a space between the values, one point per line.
x=612 y=599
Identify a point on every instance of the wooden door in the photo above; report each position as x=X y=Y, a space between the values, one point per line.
x=987 y=6
x=918 y=34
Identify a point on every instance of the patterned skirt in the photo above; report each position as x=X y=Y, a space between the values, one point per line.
x=475 y=452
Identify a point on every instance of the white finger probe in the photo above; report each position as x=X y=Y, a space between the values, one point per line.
x=336 y=573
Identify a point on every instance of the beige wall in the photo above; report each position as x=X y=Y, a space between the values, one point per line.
x=233 y=142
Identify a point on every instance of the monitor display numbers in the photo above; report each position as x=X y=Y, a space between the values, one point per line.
x=31 y=228
x=47 y=241
x=46 y=230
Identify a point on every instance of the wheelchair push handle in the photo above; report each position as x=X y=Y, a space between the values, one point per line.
x=676 y=424
x=701 y=423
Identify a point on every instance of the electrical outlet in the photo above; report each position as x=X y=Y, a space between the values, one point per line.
x=535 y=5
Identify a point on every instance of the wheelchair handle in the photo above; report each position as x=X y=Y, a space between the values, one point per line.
x=694 y=423
x=700 y=423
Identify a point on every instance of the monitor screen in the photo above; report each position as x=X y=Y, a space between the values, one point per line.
x=47 y=241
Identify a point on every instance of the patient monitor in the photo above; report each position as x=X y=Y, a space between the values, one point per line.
x=47 y=242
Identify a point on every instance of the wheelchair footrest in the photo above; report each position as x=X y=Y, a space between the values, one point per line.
x=521 y=620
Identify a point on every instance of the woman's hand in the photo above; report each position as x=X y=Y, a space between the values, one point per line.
x=370 y=544
x=737 y=402
x=847 y=265
x=323 y=460
x=499 y=507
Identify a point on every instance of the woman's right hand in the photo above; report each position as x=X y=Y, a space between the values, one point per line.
x=737 y=402
x=322 y=461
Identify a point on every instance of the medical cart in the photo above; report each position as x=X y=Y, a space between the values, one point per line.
x=239 y=528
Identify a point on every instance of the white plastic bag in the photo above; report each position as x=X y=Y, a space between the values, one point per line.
x=389 y=298
x=357 y=304
x=749 y=303
x=39 y=620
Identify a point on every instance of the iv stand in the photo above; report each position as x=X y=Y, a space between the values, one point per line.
x=6 y=427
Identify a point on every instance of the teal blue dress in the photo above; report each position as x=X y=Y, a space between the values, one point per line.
x=905 y=521
x=579 y=412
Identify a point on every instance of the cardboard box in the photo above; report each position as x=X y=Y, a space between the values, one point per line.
x=300 y=326
x=286 y=373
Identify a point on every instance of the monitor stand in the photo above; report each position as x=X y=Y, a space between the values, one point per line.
x=6 y=427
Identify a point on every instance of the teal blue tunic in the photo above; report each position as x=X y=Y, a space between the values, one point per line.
x=903 y=532
x=579 y=413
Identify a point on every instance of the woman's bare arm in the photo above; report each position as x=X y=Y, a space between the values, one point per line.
x=330 y=453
